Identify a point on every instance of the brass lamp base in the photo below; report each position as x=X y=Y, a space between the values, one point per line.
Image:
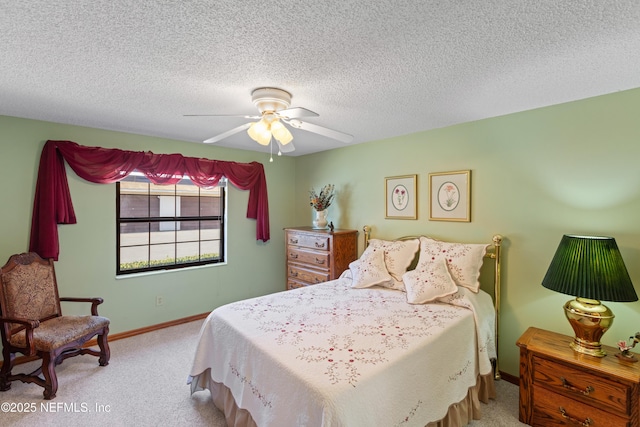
x=590 y=320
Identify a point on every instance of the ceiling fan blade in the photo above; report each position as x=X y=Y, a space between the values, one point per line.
x=296 y=112
x=285 y=148
x=321 y=130
x=221 y=115
x=227 y=134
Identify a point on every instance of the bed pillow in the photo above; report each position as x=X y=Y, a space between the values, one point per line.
x=464 y=260
x=398 y=255
x=429 y=282
x=369 y=269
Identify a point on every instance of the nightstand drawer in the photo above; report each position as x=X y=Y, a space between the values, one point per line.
x=308 y=276
x=316 y=258
x=581 y=385
x=552 y=409
x=308 y=241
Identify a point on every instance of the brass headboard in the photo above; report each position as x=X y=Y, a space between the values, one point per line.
x=494 y=253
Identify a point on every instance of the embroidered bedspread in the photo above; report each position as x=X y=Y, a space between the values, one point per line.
x=331 y=355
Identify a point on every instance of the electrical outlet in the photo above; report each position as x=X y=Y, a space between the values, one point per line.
x=159 y=300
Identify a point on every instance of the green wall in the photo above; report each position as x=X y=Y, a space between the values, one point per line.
x=86 y=266
x=536 y=175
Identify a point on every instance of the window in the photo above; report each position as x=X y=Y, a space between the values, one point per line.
x=161 y=227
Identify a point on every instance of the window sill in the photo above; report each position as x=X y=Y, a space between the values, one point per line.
x=173 y=270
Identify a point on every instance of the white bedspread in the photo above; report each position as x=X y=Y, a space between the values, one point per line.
x=330 y=355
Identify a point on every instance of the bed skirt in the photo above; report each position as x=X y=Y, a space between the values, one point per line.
x=468 y=409
x=458 y=415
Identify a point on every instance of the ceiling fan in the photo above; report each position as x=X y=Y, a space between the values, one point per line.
x=273 y=105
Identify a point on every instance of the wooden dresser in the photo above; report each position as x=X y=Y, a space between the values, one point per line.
x=315 y=256
x=559 y=386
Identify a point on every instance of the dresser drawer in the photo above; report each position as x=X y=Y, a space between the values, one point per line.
x=552 y=409
x=318 y=259
x=582 y=385
x=298 y=273
x=294 y=284
x=308 y=241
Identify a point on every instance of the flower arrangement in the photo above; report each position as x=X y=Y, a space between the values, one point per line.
x=323 y=200
x=623 y=346
x=626 y=346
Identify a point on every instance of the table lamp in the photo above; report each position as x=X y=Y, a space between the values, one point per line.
x=591 y=269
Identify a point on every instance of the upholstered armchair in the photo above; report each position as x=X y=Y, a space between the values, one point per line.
x=32 y=323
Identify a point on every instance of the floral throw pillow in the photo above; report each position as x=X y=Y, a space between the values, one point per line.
x=369 y=269
x=464 y=260
x=428 y=282
x=398 y=255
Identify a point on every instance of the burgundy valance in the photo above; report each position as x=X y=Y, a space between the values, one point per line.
x=52 y=204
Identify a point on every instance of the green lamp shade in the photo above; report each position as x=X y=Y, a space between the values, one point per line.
x=590 y=267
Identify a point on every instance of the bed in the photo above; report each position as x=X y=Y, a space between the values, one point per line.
x=405 y=337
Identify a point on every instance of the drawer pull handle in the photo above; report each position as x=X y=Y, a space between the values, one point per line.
x=319 y=245
x=586 y=423
x=293 y=256
x=568 y=386
x=319 y=261
x=293 y=273
x=293 y=241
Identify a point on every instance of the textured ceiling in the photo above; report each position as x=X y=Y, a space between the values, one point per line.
x=374 y=69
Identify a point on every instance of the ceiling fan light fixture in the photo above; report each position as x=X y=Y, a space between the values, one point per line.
x=281 y=133
x=259 y=132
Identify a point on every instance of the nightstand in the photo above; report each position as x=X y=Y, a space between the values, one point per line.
x=561 y=387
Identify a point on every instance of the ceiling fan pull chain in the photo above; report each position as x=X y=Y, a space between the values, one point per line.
x=271 y=150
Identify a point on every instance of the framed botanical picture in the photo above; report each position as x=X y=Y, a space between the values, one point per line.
x=450 y=196
x=401 y=197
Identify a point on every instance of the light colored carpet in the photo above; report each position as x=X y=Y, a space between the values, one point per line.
x=145 y=385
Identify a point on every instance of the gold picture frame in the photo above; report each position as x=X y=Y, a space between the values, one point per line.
x=401 y=197
x=450 y=196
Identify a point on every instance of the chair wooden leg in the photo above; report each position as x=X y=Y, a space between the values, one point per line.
x=5 y=373
x=105 y=352
x=50 y=377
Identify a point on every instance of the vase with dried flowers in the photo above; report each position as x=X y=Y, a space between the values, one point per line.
x=320 y=202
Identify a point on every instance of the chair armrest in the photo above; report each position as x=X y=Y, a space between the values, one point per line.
x=30 y=325
x=26 y=322
x=95 y=302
